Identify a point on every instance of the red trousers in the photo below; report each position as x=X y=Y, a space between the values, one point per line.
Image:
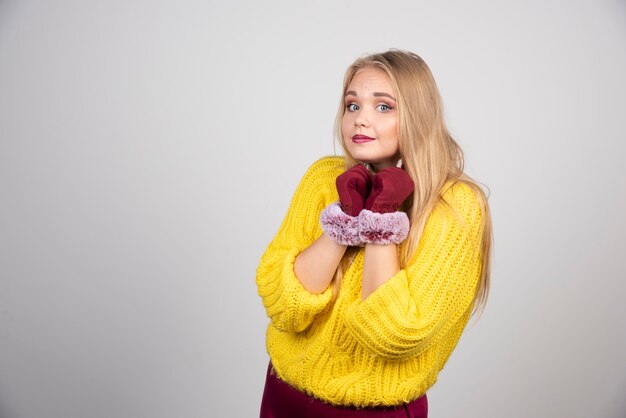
x=282 y=401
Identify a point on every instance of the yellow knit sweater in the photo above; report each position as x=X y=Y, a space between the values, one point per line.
x=389 y=348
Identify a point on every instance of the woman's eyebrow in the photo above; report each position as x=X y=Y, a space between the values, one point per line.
x=375 y=94
x=378 y=94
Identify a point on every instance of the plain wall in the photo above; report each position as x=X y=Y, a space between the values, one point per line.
x=149 y=150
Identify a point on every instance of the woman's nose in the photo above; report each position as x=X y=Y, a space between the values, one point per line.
x=361 y=119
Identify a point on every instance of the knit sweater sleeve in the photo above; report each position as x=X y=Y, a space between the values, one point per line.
x=434 y=294
x=290 y=307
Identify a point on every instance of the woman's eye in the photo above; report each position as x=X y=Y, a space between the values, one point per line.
x=352 y=107
x=384 y=108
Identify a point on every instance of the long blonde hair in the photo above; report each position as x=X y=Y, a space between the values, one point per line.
x=429 y=153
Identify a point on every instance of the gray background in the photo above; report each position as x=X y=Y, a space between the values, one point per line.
x=149 y=150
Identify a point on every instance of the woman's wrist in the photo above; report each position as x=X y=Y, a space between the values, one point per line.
x=340 y=227
x=383 y=228
x=367 y=227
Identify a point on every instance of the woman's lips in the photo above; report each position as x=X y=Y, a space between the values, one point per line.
x=360 y=139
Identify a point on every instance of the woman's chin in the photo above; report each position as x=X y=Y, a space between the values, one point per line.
x=365 y=158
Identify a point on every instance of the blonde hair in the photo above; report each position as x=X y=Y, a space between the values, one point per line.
x=429 y=153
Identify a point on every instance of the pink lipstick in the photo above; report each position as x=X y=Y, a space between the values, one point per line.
x=361 y=139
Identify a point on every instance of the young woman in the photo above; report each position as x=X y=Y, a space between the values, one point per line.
x=382 y=258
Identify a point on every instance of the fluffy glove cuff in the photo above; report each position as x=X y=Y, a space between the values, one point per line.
x=341 y=227
x=383 y=228
x=367 y=227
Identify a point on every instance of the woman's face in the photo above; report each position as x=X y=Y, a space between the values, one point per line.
x=369 y=126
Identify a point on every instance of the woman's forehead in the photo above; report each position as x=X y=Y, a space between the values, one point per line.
x=370 y=80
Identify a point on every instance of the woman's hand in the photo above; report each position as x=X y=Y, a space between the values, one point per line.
x=353 y=187
x=390 y=187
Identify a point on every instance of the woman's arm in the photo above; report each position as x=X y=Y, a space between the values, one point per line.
x=315 y=266
x=391 y=186
x=289 y=305
x=433 y=295
x=379 y=265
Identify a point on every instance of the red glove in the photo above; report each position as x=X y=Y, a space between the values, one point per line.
x=353 y=186
x=390 y=187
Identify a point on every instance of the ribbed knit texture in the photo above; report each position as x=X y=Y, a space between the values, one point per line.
x=388 y=349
